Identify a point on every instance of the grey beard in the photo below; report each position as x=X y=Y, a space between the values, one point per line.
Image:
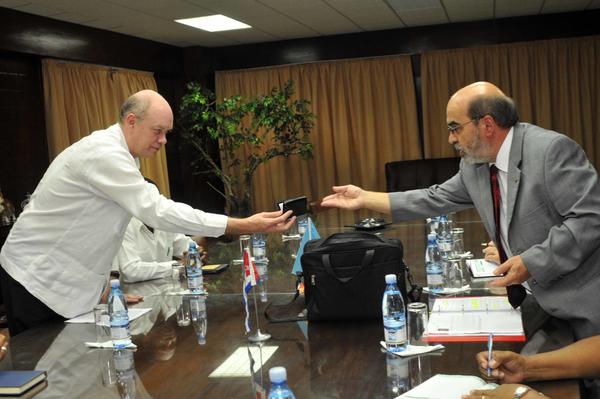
x=469 y=158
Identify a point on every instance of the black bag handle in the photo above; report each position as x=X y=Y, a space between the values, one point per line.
x=366 y=261
x=358 y=234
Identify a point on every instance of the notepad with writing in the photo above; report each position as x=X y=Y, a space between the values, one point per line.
x=473 y=319
x=444 y=386
x=15 y=382
x=481 y=268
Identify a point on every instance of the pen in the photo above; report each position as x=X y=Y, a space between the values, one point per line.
x=490 y=345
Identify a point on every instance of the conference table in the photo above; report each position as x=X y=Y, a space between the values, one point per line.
x=323 y=359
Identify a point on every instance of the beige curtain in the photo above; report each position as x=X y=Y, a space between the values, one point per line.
x=555 y=83
x=365 y=116
x=81 y=98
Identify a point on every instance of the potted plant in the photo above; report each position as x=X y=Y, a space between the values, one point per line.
x=270 y=126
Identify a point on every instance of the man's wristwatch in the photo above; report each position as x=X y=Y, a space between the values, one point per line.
x=521 y=391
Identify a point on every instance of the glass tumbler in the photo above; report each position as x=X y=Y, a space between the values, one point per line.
x=417 y=323
x=458 y=246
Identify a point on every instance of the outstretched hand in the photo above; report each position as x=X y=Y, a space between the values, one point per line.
x=263 y=222
x=346 y=197
x=513 y=272
x=506 y=366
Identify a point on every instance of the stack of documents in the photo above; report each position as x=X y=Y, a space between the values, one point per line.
x=473 y=319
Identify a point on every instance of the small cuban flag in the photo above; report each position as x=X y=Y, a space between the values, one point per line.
x=310 y=234
x=249 y=282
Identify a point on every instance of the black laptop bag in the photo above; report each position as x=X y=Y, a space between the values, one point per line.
x=344 y=275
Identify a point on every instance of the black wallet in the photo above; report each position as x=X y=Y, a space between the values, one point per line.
x=298 y=206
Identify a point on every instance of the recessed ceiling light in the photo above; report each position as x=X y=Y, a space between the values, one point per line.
x=214 y=23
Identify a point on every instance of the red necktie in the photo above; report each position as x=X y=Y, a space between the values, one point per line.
x=516 y=293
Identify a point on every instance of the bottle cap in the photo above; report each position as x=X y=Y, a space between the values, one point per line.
x=390 y=279
x=431 y=236
x=114 y=283
x=192 y=246
x=277 y=374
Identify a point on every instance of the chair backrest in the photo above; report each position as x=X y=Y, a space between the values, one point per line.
x=420 y=173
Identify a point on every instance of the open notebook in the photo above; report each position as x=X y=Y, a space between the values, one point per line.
x=473 y=319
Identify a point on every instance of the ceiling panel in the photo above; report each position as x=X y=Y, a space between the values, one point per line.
x=373 y=15
x=40 y=9
x=413 y=5
x=426 y=16
x=73 y=18
x=515 y=8
x=468 y=10
x=165 y=10
x=316 y=14
x=12 y=3
x=554 y=6
x=279 y=19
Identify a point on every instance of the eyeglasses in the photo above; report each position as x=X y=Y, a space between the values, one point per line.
x=453 y=129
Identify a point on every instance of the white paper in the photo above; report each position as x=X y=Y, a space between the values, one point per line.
x=474 y=316
x=88 y=318
x=413 y=350
x=481 y=268
x=444 y=386
x=106 y=344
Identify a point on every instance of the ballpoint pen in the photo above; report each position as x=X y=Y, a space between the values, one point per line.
x=490 y=345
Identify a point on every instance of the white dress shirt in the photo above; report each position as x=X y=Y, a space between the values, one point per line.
x=147 y=255
x=62 y=246
x=502 y=165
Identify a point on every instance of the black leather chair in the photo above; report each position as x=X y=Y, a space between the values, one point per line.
x=420 y=173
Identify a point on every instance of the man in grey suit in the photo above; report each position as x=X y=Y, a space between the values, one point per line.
x=549 y=208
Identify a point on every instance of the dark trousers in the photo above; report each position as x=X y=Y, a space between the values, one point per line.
x=23 y=310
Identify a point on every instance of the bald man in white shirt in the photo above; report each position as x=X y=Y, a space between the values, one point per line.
x=58 y=255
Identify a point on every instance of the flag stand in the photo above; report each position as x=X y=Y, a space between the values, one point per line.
x=258 y=336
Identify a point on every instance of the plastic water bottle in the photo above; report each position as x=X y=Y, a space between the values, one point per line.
x=279 y=386
x=125 y=371
x=119 y=318
x=262 y=268
x=302 y=224
x=433 y=265
x=259 y=246
x=445 y=241
x=394 y=315
x=194 y=270
x=433 y=222
x=198 y=316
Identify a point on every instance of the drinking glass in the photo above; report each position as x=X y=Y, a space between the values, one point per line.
x=102 y=322
x=417 y=323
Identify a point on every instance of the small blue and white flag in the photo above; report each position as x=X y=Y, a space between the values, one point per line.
x=310 y=234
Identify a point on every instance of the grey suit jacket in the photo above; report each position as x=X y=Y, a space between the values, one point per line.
x=553 y=211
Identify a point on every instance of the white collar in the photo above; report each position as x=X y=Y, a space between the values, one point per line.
x=503 y=154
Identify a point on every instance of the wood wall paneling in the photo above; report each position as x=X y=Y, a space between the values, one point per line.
x=23 y=146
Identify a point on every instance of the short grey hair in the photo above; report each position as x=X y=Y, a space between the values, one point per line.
x=135 y=104
x=501 y=108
